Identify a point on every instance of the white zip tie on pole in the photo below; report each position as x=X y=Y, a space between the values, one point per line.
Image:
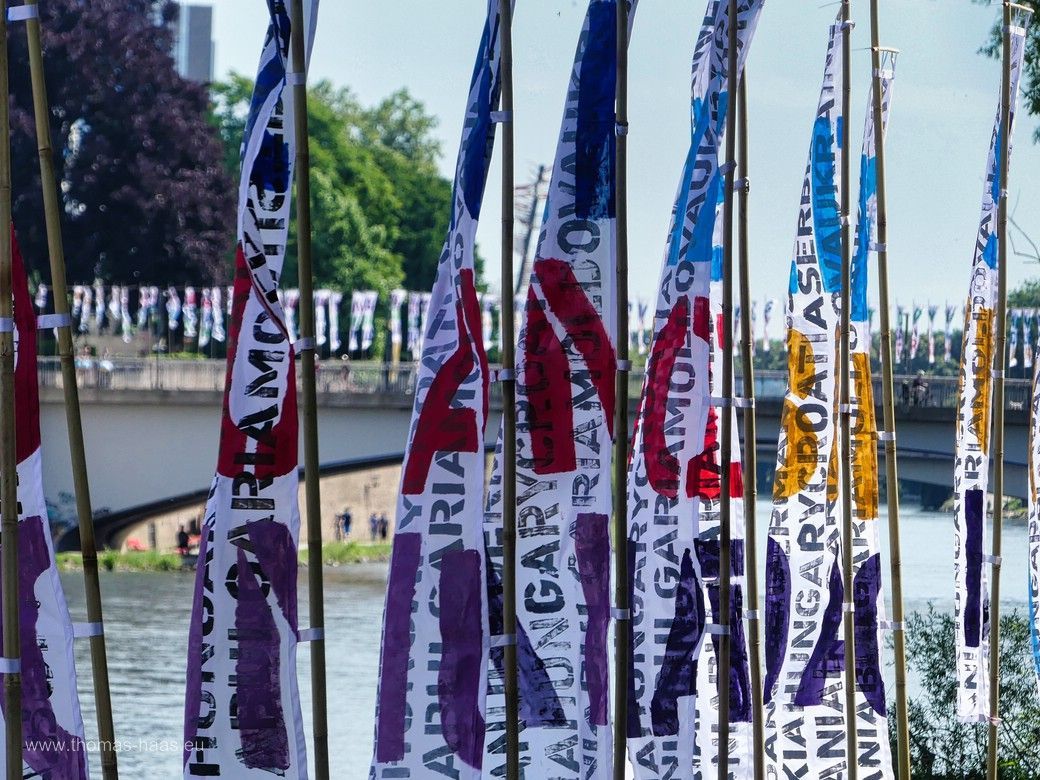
x=876 y=247
x=742 y=184
x=503 y=640
x=45 y=321
x=624 y=365
x=848 y=607
x=994 y=560
x=720 y=402
x=751 y=614
x=891 y=625
x=744 y=403
x=726 y=167
x=996 y=374
x=312 y=635
x=503 y=375
x=620 y=129
x=501 y=117
x=716 y=629
x=845 y=408
x=10 y=665
x=87 y=630
x=23 y=13
x=886 y=435
x=295 y=79
x=620 y=614
x=304 y=345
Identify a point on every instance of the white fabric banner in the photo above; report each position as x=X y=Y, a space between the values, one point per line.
x=242 y=708
x=216 y=299
x=971 y=470
x=430 y=718
x=206 y=324
x=566 y=371
x=675 y=472
x=191 y=313
x=397 y=299
x=805 y=716
x=1033 y=529
x=52 y=725
x=368 y=326
x=335 y=299
x=292 y=300
x=357 y=314
x=874 y=755
x=932 y=311
x=414 y=333
x=173 y=308
x=321 y=322
x=951 y=313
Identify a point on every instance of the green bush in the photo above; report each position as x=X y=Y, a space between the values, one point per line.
x=943 y=748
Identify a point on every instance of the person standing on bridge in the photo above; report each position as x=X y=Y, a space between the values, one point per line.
x=373 y=526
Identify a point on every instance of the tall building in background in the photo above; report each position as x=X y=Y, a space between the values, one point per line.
x=193 y=47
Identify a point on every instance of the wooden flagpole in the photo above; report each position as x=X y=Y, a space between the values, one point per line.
x=726 y=412
x=88 y=545
x=507 y=377
x=315 y=574
x=747 y=354
x=999 y=358
x=889 y=409
x=622 y=602
x=8 y=454
x=844 y=379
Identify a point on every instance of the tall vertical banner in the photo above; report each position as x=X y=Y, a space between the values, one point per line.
x=971 y=468
x=675 y=473
x=805 y=715
x=52 y=726
x=566 y=371
x=932 y=311
x=950 y=313
x=874 y=755
x=1034 y=524
x=242 y=714
x=430 y=719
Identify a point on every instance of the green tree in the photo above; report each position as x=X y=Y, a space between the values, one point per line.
x=941 y=747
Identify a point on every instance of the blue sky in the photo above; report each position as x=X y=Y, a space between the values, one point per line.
x=942 y=116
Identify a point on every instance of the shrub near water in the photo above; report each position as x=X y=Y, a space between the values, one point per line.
x=942 y=748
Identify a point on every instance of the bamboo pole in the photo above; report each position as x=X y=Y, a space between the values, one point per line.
x=726 y=428
x=844 y=452
x=889 y=410
x=8 y=456
x=507 y=324
x=1000 y=348
x=747 y=354
x=315 y=573
x=623 y=616
x=74 y=423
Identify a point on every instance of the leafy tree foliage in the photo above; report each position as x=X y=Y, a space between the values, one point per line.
x=146 y=196
x=380 y=208
x=941 y=747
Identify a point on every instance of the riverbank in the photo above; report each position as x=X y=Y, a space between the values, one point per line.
x=333 y=554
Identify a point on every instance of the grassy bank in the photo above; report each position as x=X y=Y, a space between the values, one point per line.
x=333 y=553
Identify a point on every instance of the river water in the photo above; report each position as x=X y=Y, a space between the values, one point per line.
x=146 y=621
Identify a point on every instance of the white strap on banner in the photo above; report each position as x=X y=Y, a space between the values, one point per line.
x=45 y=321
x=295 y=79
x=742 y=184
x=726 y=167
x=501 y=117
x=885 y=73
x=304 y=345
x=845 y=408
x=716 y=629
x=1014 y=29
x=87 y=630
x=503 y=375
x=744 y=403
x=891 y=625
x=721 y=402
x=848 y=607
x=6 y=325
x=503 y=640
x=849 y=25
x=845 y=221
x=22 y=13
x=620 y=129
x=624 y=365
x=312 y=635
x=10 y=665
x=620 y=614
x=994 y=560
x=886 y=435
x=751 y=614
x=876 y=247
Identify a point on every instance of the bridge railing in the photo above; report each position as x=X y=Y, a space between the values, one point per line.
x=398 y=381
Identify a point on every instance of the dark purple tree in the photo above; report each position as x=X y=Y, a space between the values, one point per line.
x=147 y=198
